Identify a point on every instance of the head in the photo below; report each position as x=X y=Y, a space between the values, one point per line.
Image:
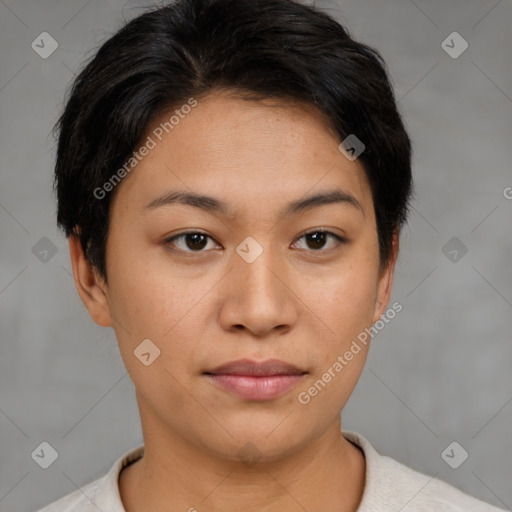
x=225 y=119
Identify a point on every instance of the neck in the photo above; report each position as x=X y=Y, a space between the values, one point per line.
x=327 y=474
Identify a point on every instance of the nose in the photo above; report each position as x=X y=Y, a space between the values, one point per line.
x=257 y=296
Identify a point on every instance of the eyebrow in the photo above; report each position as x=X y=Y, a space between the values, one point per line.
x=214 y=205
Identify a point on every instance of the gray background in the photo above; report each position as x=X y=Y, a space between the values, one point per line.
x=439 y=372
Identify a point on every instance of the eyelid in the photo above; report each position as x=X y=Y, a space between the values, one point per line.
x=322 y=230
x=339 y=238
x=168 y=240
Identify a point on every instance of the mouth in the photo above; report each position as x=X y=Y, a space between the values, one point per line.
x=256 y=381
x=256 y=369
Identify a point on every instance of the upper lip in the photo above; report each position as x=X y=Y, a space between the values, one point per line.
x=249 y=367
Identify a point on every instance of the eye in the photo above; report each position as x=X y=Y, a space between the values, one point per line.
x=316 y=240
x=193 y=240
x=196 y=241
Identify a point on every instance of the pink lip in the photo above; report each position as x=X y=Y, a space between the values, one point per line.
x=256 y=381
x=248 y=367
x=256 y=388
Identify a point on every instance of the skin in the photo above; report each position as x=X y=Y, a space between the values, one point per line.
x=298 y=302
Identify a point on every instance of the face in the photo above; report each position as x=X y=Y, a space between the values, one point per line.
x=255 y=272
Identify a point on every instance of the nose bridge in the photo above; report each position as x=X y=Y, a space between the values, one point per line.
x=256 y=265
x=258 y=296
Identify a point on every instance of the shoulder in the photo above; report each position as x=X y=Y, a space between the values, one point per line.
x=81 y=500
x=391 y=485
x=101 y=494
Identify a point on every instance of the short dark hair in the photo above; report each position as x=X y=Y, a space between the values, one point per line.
x=275 y=49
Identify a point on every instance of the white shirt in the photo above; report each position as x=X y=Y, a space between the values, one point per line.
x=390 y=487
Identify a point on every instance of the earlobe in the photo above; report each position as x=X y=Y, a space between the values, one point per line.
x=386 y=280
x=90 y=286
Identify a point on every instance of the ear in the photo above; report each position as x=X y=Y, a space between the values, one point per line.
x=90 y=286
x=386 y=280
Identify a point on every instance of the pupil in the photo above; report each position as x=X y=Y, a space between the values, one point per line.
x=197 y=243
x=318 y=238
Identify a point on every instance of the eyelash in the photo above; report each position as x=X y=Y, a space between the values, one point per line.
x=339 y=240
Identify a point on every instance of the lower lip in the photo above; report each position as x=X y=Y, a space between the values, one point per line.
x=258 y=388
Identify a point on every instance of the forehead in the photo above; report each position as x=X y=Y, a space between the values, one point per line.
x=244 y=150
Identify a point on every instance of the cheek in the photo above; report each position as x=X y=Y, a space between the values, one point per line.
x=151 y=303
x=346 y=301
x=151 y=306
x=152 y=300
